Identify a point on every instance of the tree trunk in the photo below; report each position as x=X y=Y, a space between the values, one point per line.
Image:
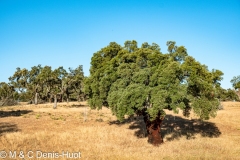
x=238 y=93
x=153 y=129
x=67 y=97
x=50 y=99
x=62 y=98
x=4 y=101
x=55 y=102
x=36 y=98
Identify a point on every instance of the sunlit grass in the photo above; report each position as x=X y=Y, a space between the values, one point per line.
x=76 y=128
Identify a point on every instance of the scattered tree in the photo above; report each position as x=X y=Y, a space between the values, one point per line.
x=8 y=95
x=75 y=83
x=236 y=85
x=143 y=80
x=46 y=84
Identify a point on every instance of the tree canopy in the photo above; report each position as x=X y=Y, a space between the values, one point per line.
x=236 y=85
x=7 y=94
x=46 y=84
x=236 y=82
x=129 y=79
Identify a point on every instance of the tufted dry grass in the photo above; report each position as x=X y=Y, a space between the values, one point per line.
x=73 y=127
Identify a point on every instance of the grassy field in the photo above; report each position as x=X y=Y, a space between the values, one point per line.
x=96 y=134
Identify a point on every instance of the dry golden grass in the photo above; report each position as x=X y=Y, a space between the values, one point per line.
x=96 y=134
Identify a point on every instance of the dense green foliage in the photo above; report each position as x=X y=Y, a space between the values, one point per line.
x=236 y=82
x=128 y=79
x=236 y=85
x=7 y=94
x=46 y=84
x=227 y=94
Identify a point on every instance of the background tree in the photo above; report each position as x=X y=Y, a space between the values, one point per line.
x=56 y=83
x=75 y=83
x=53 y=84
x=227 y=94
x=142 y=80
x=45 y=77
x=236 y=82
x=25 y=81
x=236 y=85
x=20 y=82
x=231 y=95
x=8 y=95
x=221 y=93
x=20 y=79
x=45 y=84
x=34 y=83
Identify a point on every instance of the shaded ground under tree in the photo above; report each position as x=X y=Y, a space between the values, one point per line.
x=13 y=113
x=174 y=127
x=8 y=127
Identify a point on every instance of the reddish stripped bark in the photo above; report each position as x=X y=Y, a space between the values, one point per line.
x=154 y=129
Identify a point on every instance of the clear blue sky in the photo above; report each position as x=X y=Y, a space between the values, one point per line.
x=67 y=32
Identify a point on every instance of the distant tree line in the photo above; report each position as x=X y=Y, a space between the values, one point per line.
x=229 y=94
x=43 y=84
